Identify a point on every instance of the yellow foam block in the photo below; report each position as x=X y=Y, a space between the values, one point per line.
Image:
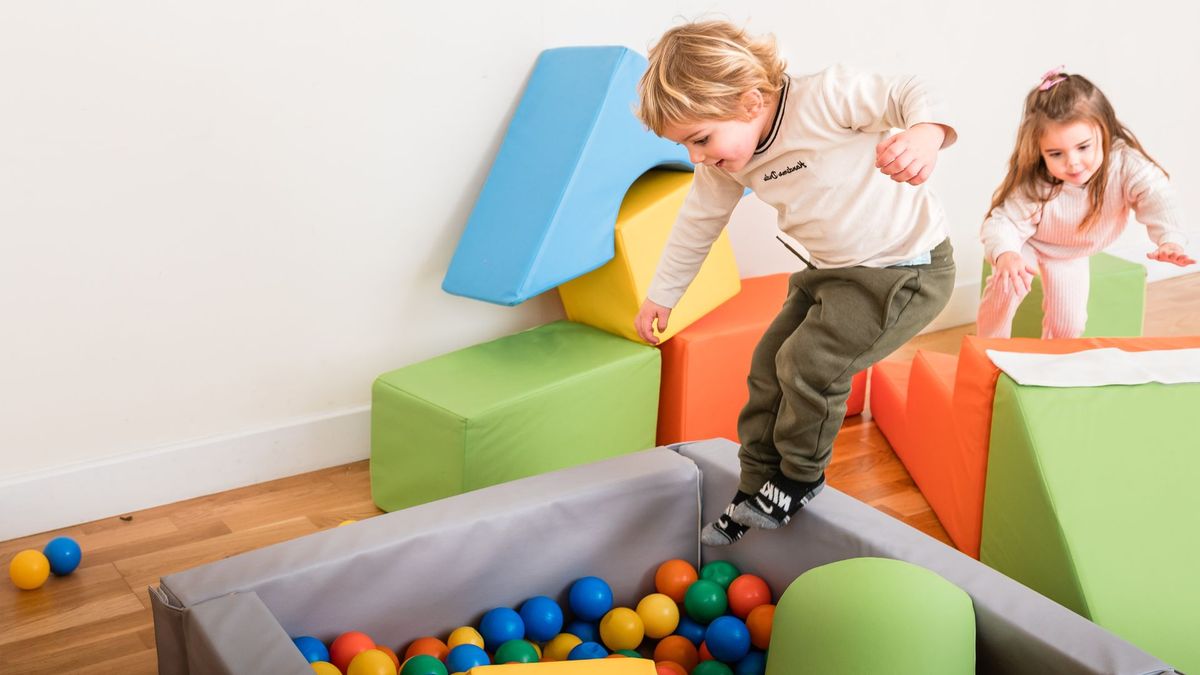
x=609 y=297
x=584 y=667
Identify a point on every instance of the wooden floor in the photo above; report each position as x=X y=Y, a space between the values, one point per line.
x=98 y=619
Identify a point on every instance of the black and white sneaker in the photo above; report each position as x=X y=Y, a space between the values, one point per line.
x=723 y=531
x=776 y=502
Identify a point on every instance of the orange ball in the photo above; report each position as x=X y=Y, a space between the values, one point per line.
x=669 y=668
x=677 y=649
x=347 y=646
x=673 y=578
x=391 y=655
x=705 y=655
x=427 y=645
x=759 y=621
x=747 y=592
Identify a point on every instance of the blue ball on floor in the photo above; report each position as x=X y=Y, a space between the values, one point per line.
x=543 y=618
x=590 y=598
x=64 y=555
x=312 y=648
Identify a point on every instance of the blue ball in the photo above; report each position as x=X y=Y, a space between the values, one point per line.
x=587 y=650
x=500 y=625
x=588 y=632
x=590 y=598
x=543 y=618
x=312 y=648
x=754 y=663
x=64 y=555
x=690 y=629
x=464 y=657
x=728 y=639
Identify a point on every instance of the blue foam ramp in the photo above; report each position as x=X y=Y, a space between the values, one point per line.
x=548 y=209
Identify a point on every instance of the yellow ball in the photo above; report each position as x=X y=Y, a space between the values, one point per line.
x=465 y=635
x=29 y=569
x=559 y=646
x=622 y=628
x=351 y=521
x=324 y=668
x=371 y=662
x=659 y=614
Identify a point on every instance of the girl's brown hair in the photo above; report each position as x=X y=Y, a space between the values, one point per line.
x=1073 y=99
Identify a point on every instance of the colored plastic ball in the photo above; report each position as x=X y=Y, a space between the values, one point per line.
x=587 y=650
x=747 y=592
x=312 y=648
x=660 y=615
x=673 y=577
x=622 y=628
x=435 y=647
x=64 y=555
x=347 y=646
x=348 y=521
x=423 y=664
x=371 y=662
x=754 y=663
x=669 y=668
x=705 y=600
x=759 y=621
x=690 y=629
x=712 y=668
x=464 y=635
x=324 y=668
x=628 y=652
x=728 y=639
x=584 y=630
x=705 y=655
x=677 y=649
x=560 y=646
x=499 y=625
x=29 y=569
x=516 y=651
x=391 y=655
x=464 y=657
x=543 y=618
x=590 y=598
x=721 y=571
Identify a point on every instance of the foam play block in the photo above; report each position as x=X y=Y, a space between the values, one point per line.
x=924 y=452
x=546 y=212
x=543 y=399
x=1091 y=500
x=706 y=364
x=1116 y=300
x=609 y=297
x=889 y=399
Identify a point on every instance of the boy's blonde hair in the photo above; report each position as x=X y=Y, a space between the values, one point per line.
x=1073 y=98
x=700 y=70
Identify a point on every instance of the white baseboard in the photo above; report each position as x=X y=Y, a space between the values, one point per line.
x=962 y=308
x=47 y=500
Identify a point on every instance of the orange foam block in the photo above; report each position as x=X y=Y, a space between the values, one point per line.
x=704 y=368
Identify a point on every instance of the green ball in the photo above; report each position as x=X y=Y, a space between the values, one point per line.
x=517 y=651
x=630 y=653
x=721 y=571
x=712 y=668
x=423 y=664
x=705 y=600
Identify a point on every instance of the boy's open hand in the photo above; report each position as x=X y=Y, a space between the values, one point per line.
x=1171 y=253
x=909 y=156
x=1012 y=271
x=644 y=323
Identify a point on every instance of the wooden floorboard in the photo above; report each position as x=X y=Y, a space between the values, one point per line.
x=98 y=621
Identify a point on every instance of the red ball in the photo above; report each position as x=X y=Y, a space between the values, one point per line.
x=705 y=655
x=747 y=592
x=347 y=646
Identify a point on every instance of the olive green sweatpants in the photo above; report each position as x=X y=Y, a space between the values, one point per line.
x=834 y=323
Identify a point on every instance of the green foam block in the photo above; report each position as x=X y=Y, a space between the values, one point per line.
x=550 y=397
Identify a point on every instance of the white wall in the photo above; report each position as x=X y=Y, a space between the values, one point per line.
x=225 y=218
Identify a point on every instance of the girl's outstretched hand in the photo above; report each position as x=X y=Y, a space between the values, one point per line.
x=1012 y=271
x=644 y=323
x=1171 y=253
x=909 y=156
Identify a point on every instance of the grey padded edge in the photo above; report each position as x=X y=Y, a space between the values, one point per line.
x=434 y=567
x=1019 y=631
x=238 y=635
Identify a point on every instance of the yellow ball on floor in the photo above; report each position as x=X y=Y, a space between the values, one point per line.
x=29 y=569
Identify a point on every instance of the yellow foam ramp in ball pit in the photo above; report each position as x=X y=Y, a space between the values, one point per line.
x=609 y=297
x=583 y=667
